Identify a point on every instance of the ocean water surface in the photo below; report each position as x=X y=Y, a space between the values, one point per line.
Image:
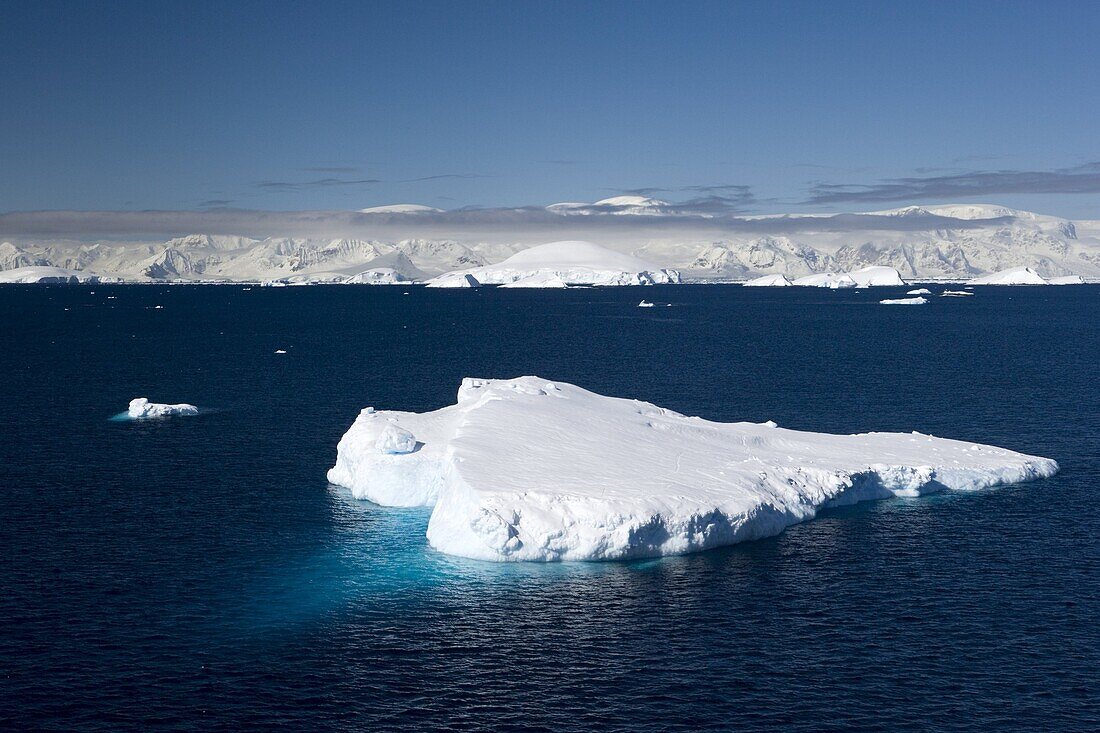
x=199 y=572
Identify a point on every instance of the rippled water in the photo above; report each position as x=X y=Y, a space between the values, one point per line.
x=199 y=573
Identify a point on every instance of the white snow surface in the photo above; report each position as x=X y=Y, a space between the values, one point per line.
x=1011 y=276
x=1066 y=280
x=826 y=280
x=142 y=409
x=904 y=301
x=768 y=281
x=454 y=280
x=558 y=264
x=527 y=469
x=876 y=276
x=45 y=274
x=377 y=276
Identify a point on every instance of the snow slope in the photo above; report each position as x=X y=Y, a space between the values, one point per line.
x=526 y=469
x=875 y=276
x=826 y=280
x=768 y=281
x=45 y=274
x=558 y=264
x=377 y=276
x=1011 y=276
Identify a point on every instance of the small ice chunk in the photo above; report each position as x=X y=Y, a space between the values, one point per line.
x=920 y=291
x=395 y=440
x=280 y=351
x=645 y=304
x=141 y=409
x=904 y=301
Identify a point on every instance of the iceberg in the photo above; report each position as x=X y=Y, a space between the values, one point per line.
x=1066 y=280
x=559 y=264
x=142 y=409
x=1011 y=276
x=826 y=280
x=904 y=301
x=529 y=469
x=644 y=304
x=768 y=281
x=955 y=294
x=876 y=276
x=920 y=291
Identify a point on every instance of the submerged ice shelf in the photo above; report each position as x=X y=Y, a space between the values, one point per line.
x=527 y=469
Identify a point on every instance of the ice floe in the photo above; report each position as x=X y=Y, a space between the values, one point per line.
x=904 y=301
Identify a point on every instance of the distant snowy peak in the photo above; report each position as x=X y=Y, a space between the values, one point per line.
x=559 y=264
x=616 y=205
x=400 y=209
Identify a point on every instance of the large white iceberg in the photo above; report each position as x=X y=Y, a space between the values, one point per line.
x=768 y=281
x=826 y=280
x=1011 y=276
x=1066 y=280
x=526 y=469
x=559 y=264
x=876 y=276
x=142 y=409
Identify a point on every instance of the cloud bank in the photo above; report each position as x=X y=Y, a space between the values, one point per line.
x=1078 y=179
x=488 y=225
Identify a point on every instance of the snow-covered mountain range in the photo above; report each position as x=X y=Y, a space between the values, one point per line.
x=949 y=242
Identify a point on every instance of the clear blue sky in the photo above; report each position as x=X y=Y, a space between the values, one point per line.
x=299 y=106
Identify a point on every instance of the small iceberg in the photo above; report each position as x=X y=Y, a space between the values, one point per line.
x=142 y=409
x=955 y=294
x=645 y=304
x=527 y=469
x=904 y=301
x=920 y=291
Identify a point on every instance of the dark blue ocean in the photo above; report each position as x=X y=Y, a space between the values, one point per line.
x=200 y=574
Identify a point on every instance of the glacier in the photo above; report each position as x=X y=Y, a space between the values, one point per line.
x=560 y=264
x=954 y=241
x=45 y=274
x=1011 y=276
x=768 y=281
x=528 y=469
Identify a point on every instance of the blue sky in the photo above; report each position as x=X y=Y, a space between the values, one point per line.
x=815 y=106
